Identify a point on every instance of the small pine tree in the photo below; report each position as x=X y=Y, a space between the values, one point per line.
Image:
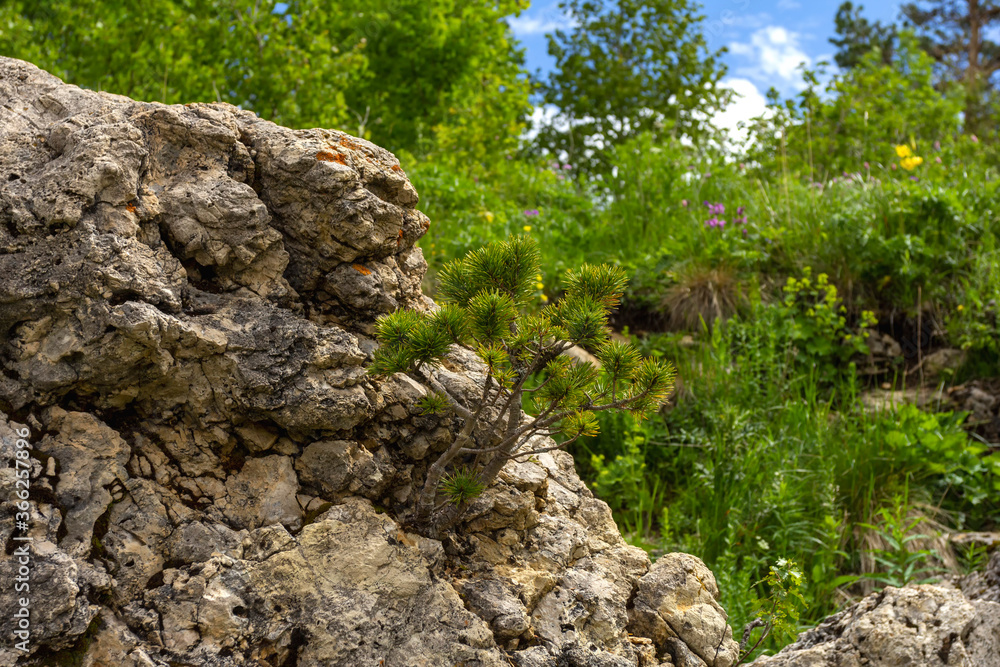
x=485 y=298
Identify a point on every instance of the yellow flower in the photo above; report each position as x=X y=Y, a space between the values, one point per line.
x=539 y=285
x=961 y=307
x=489 y=216
x=527 y=228
x=911 y=163
x=544 y=298
x=538 y=277
x=903 y=151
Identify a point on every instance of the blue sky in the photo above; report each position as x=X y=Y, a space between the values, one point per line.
x=767 y=39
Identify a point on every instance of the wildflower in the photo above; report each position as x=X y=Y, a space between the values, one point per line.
x=937 y=159
x=538 y=277
x=894 y=166
x=544 y=298
x=937 y=145
x=960 y=308
x=489 y=216
x=911 y=163
x=974 y=138
x=567 y=166
x=740 y=210
x=867 y=166
x=531 y=212
x=684 y=203
x=903 y=150
x=744 y=231
x=708 y=174
x=527 y=228
x=914 y=178
x=539 y=285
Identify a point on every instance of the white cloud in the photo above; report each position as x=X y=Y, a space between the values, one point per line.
x=540 y=25
x=748 y=102
x=773 y=51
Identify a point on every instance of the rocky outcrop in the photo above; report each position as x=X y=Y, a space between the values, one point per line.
x=930 y=625
x=187 y=300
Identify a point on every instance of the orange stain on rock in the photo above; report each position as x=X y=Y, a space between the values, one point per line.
x=361 y=269
x=327 y=156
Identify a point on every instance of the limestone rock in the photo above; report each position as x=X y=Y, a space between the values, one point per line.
x=677 y=607
x=931 y=626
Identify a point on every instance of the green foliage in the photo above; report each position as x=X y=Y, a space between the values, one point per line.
x=462 y=485
x=974 y=323
x=760 y=460
x=857 y=37
x=488 y=292
x=636 y=497
x=629 y=67
x=859 y=114
x=900 y=564
x=959 y=36
x=173 y=51
x=778 y=611
x=433 y=404
x=814 y=323
x=416 y=75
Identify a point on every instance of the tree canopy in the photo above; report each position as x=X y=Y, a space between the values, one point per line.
x=400 y=72
x=628 y=67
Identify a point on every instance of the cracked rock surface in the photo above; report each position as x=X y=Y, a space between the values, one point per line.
x=948 y=625
x=187 y=301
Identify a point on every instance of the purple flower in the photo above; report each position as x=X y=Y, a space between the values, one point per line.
x=706 y=203
x=938 y=159
x=914 y=178
x=708 y=174
x=867 y=166
x=567 y=166
x=531 y=212
x=684 y=203
x=740 y=210
x=744 y=231
x=974 y=138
